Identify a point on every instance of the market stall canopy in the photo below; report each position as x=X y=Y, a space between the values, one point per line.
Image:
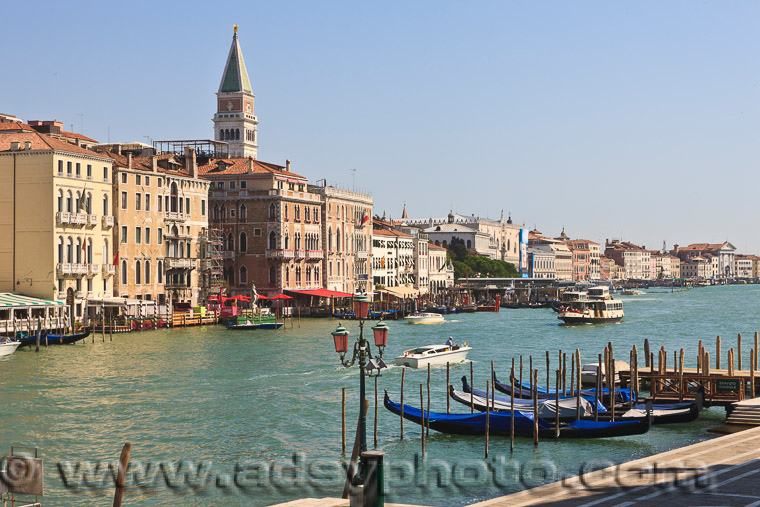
x=323 y=293
x=401 y=292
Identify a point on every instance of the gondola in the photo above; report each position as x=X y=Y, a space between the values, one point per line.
x=54 y=339
x=500 y=423
x=546 y=408
x=621 y=395
x=528 y=401
x=662 y=413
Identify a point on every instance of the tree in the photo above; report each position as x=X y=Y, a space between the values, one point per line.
x=458 y=249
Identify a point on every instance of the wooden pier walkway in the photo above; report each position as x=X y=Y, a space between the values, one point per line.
x=721 y=471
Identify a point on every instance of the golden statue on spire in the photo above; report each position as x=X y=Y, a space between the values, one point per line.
x=234 y=27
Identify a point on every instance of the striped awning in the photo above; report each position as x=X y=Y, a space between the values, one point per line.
x=8 y=300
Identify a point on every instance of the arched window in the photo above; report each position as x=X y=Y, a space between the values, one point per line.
x=272 y=276
x=337 y=240
x=287 y=241
x=79 y=251
x=272 y=240
x=106 y=209
x=298 y=274
x=70 y=250
x=316 y=275
x=137 y=272
x=329 y=238
x=160 y=274
x=60 y=201
x=147 y=272
x=221 y=135
x=174 y=198
x=509 y=245
x=69 y=202
x=88 y=203
x=243 y=275
x=89 y=251
x=60 y=249
x=105 y=252
x=237 y=133
x=469 y=244
x=287 y=274
x=271 y=210
x=124 y=272
x=230 y=242
x=243 y=242
x=243 y=212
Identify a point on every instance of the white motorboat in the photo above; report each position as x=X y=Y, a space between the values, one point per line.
x=589 y=372
x=425 y=318
x=633 y=292
x=433 y=354
x=8 y=347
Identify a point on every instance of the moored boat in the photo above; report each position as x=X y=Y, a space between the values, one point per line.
x=589 y=372
x=499 y=423
x=54 y=339
x=8 y=347
x=425 y=318
x=432 y=354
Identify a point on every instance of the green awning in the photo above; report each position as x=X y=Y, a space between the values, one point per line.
x=17 y=300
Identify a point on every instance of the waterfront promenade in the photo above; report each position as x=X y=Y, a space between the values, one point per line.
x=721 y=471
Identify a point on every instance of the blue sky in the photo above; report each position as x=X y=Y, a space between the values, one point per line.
x=634 y=120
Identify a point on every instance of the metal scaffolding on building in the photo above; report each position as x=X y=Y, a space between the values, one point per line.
x=212 y=261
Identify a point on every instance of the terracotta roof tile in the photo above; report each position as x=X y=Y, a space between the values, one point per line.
x=41 y=142
x=241 y=165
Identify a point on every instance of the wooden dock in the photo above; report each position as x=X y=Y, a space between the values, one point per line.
x=721 y=471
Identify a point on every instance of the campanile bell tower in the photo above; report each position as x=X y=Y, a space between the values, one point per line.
x=234 y=121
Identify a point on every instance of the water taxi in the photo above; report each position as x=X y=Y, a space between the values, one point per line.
x=420 y=357
x=592 y=312
x=424 y=318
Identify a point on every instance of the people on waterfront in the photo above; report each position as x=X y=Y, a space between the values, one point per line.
x=450 y=342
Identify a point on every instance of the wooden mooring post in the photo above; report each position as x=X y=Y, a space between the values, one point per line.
x=535 y=407
x=512 y=411
x=598 y=390
x=647 y=354
x=752 y=359
x=739 y=351
x=448 y=398
x=488 y=416
x=757 y=342
x=681 y=388
x=427 y=419
x=578 y=395
x=556 y=406
x=548 y=383
x=572 y=375
x=121 y=474
x=717 y=353
x=403 y=375
x=422 y=405
x=343 y=420
x=472 y=386
x=521 y=376
x=699 y=358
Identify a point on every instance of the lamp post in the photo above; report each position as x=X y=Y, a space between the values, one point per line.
x=369 y=365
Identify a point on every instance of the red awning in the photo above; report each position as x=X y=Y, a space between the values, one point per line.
x=281 y=296
x=324 y=293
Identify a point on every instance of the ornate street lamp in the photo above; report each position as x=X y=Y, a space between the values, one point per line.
x=369 y=365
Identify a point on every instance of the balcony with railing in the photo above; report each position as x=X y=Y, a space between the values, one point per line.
x=92 y=269
x=107 y=222
x=315 y=254
x=79 y=294
x=279 y=253
x=109 y=269
x=174 y=215
x=92 y=220
x=300 y=254
x=179 y=263
x=361 y=255
x=228 y=254
x=66 y=218
x=70 y=268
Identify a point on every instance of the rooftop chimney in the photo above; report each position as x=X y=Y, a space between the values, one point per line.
x=46 y=127
x=153 y=163
x=190 y=164
x=15 y=145
x=250 y=165
x=129 y=161
x=27 y=145
x=287 y=165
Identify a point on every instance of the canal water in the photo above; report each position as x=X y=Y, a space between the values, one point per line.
x=254 y=418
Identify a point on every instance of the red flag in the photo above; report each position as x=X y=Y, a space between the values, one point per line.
x=365 y=218
x=116 y=259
